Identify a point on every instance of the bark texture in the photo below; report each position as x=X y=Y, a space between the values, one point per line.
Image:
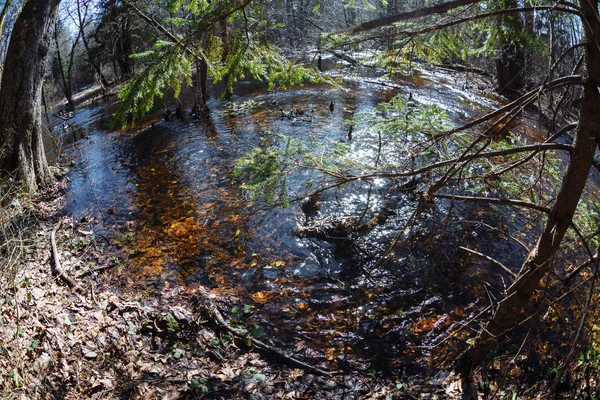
x=21 y=146
x=537 y=264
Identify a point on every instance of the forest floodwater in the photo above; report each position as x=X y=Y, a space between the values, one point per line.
x=166 y=194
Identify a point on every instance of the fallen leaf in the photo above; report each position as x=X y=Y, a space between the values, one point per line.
x=88 y=353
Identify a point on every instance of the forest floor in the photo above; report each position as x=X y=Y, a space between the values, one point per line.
x=95 y=340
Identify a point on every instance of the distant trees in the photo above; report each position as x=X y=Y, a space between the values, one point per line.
x=84 y=18
x=8 y=8
x=64 y=66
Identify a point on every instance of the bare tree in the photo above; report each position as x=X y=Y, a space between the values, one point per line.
x=66 y=69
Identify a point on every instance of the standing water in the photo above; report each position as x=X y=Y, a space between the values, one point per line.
x=167 y=194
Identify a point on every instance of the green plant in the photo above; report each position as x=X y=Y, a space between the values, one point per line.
x=178 y=353
x=16 y=378
x=34 y=345
x=172 y=324
x=199 y=386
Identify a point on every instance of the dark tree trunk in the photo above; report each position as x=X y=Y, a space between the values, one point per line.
x=509 y=69
x=537 y=264
x=125 y=49
x=22 y=149
x=203 y=81
x=510 y=64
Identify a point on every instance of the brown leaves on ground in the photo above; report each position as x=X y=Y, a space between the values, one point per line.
x=105 y=343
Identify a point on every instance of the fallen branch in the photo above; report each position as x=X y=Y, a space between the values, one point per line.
x=490 y=259
x=218 y=317
x=382 y=83
x=343 y=57
x=56 y=266
x=92 y=270
x=422 y=12
x=494 y=200
x=61 y=117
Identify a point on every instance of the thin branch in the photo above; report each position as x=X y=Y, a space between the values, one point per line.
x=569 y=357
x=581 y=266
x=561 y=132
x=496 y=200
x=526 y=98
x=339 y=179
x=490 y=14
x=442 y=8
x=490 y=259
x=520 y=243
x=56 y=265
x=216 y=314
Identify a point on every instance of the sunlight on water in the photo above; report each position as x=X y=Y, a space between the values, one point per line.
x=167 y=195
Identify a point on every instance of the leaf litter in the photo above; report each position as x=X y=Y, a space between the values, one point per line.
x=108 y=342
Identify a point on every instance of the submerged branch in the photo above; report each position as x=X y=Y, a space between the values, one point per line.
x=216 y=314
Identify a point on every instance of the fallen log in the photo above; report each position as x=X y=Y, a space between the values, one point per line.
x=343 y=57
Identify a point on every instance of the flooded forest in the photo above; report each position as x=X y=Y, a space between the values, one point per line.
x=299 y=199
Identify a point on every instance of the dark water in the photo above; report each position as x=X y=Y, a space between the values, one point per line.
x=167 y=194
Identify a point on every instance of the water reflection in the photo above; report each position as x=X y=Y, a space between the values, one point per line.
x=166 y=193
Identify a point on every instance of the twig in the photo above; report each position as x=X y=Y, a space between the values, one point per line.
x=216 y=314
x=56 y=266
x=490 y=259
x=569 y=357
x=520 y=243
x=92 y=270
x=494 y=200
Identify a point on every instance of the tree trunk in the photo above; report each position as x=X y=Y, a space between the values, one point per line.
x=21 y=146
x=125 y=48
x=66 y=81
x=97 y=68
x=537 y=264
x=510 y=64
x=203 y=81
x=3 y=13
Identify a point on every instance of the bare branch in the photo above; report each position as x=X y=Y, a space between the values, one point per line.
x=490 y=259
x=526 y=98
x=496 y=200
